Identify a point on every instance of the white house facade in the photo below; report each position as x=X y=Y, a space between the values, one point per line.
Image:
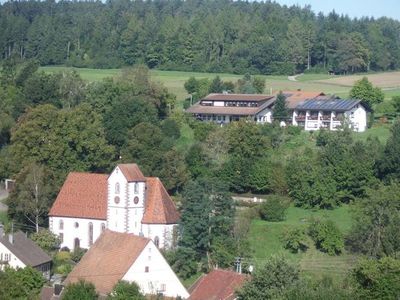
x=122 y=256
x=124 y=201
x=18 y=251
x=309 y=110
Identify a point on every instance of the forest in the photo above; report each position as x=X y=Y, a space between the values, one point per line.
x=195 y=35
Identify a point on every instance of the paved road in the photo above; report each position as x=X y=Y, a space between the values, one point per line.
x=3 y=195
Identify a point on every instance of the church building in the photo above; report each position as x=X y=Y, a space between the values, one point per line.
x=125 y=201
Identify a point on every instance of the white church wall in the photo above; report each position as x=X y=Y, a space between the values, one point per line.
x=164 y=233
x=76 y=228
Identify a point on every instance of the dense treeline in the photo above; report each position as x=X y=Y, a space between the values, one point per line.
x=216 y=36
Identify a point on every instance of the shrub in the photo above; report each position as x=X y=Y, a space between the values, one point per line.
x=77 y=254
x=274 y=208
x=327 y=236
x=295 y=239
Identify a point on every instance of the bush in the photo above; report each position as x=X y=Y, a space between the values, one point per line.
x=77 y=254
x=293 y=130
x=327 y=236
x=295 y=239
x=274 y=208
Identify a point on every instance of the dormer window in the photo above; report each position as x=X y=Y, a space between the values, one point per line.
x=136 y=188
x=117 y=188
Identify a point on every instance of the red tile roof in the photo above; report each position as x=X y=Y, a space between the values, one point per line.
x=237 y=97
x=132 y=172
x=108 y=260
x=217 y=285
x=83 y=195
x=160 y=209
x=293 y=98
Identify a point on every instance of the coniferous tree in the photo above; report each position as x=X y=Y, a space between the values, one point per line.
x=280 y=110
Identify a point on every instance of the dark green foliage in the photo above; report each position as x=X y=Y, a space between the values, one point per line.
x=216 y=85
x=171 y=129
x=23 y=283
x=295 y=239
x=389 y=164
x=207 y=220
x=327 y=236
x=377 y=219
x=124 y=290
x=46 y=240
x=364 y=91
x=42 y=88
x=77 y=254
x=280 y=111
x=274 y=208
x=396 y=103
x=320 y=289
x=81 y=290
x=125 y=114
x=270 y=281
x=205 y=36
x=377 y=279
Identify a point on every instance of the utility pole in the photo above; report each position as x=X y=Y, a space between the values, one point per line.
x=238 y=264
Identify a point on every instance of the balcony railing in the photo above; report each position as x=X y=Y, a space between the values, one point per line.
x=300 y=118
x=313 y=118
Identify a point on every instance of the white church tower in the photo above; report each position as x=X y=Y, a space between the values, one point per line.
x=126 y=199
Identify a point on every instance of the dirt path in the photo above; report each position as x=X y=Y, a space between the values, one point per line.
x=294 y=77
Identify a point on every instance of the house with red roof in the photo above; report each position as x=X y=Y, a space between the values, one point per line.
x=217 y=285
x=119 y=256
x=124 y=201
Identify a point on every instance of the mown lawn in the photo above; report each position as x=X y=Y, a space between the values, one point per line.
x=265 y=240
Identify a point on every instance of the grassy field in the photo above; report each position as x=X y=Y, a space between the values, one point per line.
x=330 y=84
x=265 y=240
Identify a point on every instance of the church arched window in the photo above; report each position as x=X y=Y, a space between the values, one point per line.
x=90 y=233
x=117 y=188
x=61 y=225
x=103 y=227
x=157 y=241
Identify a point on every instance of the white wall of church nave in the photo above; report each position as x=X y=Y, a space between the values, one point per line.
x=70 y=231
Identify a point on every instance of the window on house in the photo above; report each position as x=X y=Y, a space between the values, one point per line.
x=61 y=225
x=117 y=188
x=146 y=269
x=6 y=257
x=76 y=225
x=163 y=287
x=157 y=241
x=61 y=235
x=149 y=258
x=90 y=232
x=136 y=188
x=103 y=227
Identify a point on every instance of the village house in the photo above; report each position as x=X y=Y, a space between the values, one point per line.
x=122 y=256
x=217 y=285
x=225 y=108
x=124 y=201
x=18 y=251
x=309 y=110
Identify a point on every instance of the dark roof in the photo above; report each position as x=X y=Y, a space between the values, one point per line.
x=328 y=105
x=237 y=97
x=25 y=249
x=132 y=172
x=217 y=285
